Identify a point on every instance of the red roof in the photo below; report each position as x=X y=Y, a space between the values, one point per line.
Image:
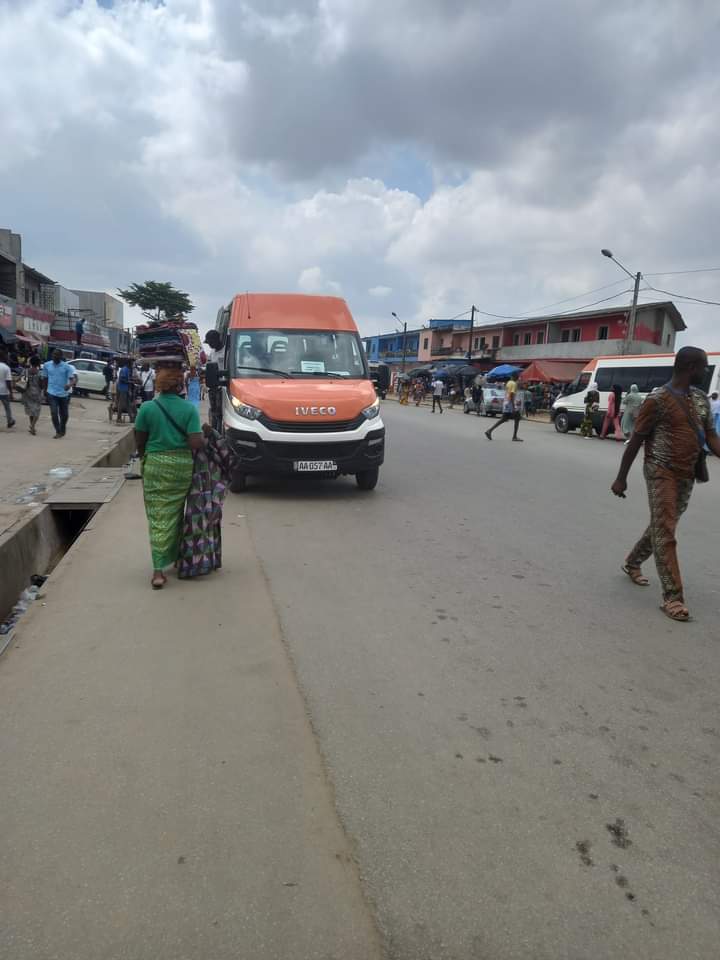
x=552 y=371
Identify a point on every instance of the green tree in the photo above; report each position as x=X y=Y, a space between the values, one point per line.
x=158 y=301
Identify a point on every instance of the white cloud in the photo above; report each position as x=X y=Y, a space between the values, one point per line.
x=312 y=280
x=380 y=291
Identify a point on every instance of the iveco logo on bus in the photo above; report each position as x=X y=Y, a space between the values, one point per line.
x=315 y=411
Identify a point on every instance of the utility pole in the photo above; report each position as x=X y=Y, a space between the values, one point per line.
x=635 y=277
x=404 y=348
x=633 y=309
x=472 y=325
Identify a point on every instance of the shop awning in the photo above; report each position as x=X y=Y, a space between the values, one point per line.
x=552 y=371
x=30 y=338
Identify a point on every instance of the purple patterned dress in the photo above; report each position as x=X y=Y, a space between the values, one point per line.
x=201 y=543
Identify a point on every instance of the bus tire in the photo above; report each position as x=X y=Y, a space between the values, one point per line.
x=367 y=479
x=562 y=422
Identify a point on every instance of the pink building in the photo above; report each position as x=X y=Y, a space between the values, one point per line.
x=578 y=336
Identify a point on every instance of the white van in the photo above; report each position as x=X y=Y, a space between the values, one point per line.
x=648 y=371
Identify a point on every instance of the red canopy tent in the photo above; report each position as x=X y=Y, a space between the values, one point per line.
x=552 y=371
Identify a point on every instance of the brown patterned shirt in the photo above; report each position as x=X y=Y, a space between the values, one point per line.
x=670 y=439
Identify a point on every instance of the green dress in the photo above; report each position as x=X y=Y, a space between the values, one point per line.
x=167 y=471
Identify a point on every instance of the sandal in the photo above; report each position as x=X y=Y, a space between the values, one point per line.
x=158 y=581
x=635 y=575
x=676 y=610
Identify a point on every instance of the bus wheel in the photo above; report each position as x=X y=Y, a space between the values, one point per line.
x=562 y=422
x=367 y=479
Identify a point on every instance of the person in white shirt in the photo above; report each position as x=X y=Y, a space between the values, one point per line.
x=147 y=382
x=6 y=386
x=437 y=389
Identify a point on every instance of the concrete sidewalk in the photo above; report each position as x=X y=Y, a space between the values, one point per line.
x=163 y=794
x=26 y=460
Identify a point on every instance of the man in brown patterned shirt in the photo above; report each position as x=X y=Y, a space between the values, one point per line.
x=674 y=423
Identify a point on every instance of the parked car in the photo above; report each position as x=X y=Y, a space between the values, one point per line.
x=90 y=377
x=492 y=404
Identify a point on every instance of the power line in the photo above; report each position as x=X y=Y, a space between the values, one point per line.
x=677 y=273
x=580 y=296
x=562 y=313
x=682 y=296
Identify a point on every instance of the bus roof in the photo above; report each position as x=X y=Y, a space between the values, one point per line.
x=620 y=359
x=290 y=311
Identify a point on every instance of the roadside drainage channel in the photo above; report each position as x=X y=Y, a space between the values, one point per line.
x=30 y=551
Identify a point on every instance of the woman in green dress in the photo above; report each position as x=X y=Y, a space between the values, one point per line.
x=167 y=431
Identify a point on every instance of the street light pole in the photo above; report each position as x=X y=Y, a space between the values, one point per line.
x=636 y=277
x=472 y=325
x=404 y=340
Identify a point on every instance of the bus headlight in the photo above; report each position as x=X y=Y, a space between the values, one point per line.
x=245 y=410
x=372 y=411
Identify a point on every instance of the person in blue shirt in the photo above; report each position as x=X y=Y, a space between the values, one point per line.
x=125 y=391
x=61 y=378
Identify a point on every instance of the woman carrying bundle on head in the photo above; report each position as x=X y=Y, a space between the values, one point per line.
x=167 y=431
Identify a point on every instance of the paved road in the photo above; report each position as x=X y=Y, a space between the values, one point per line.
x=490 y=693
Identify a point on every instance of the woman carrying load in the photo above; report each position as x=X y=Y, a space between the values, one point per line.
x=167 y=432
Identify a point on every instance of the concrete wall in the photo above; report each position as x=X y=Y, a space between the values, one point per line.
x=107 y=308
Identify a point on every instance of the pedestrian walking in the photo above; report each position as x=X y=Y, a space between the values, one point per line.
x=6 y=388
x=167 y=431
x=510 y=411
x=147 y=382
x=715 y=411
x=633 y=402
x=109 y=374
x=419 y=391
x=192 y=387
x=437 y=389
x=124 y=400
x=32 y=393
x=592 y=403
x=61 y=377
x=673 y=424
x=200 y=549
x=612 y=417
x=79 y=331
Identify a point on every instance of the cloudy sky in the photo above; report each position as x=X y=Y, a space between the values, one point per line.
x=411 y=155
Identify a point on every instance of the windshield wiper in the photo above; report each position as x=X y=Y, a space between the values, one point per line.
x=321 y=373
x=280 y=373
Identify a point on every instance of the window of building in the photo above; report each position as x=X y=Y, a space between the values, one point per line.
x=565 y=336
x=477 y=343
x=482 y=343
x=602 y=333
x=426 y=343
x=575 y=335
x=540 y=336
x=528 y=339
x=442 y=341
x=496 y=342
x=26 y=294
x=516 y=339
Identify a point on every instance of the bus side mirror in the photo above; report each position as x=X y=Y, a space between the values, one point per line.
x=215 y=377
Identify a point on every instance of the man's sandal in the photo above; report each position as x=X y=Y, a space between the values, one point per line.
x=635 y=574
x=676 y=610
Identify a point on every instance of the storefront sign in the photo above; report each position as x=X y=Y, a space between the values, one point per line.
x=7 y=314
x=31 y=325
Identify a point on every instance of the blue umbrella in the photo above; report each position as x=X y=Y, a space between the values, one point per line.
x=503 y=372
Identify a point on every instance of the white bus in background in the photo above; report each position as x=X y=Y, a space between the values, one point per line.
x=648 y=371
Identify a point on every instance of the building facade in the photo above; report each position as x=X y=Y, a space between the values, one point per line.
x=577 y=337
x=391 y=347
x=101 y=306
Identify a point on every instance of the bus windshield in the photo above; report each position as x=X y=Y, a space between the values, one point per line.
x=303 y=354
